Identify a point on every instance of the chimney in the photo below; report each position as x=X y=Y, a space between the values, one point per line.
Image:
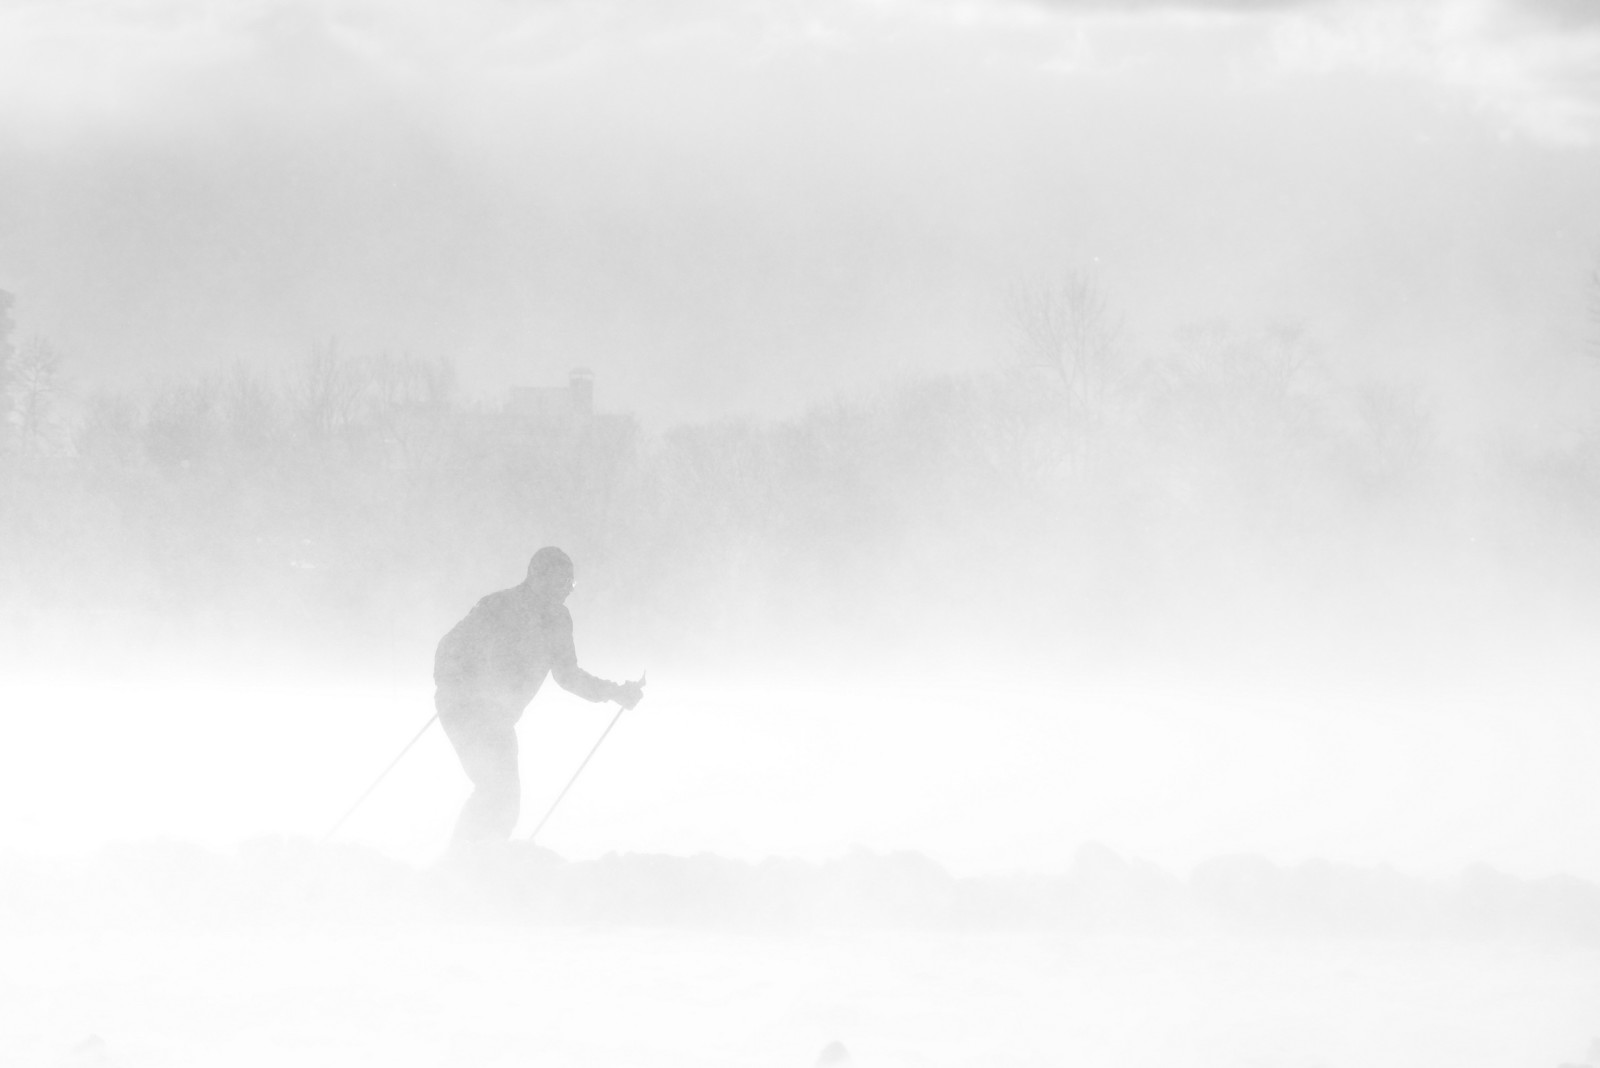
x=580 y=387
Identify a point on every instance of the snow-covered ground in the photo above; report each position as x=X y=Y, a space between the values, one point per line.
x=982 y=775
x=164 y=955
x=475 y=994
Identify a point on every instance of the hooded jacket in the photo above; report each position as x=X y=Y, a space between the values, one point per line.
x=497 y=657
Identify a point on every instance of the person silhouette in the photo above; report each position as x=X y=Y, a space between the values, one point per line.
x=487 y=669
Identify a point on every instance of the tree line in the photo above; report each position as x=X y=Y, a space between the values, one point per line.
x=1076 y=496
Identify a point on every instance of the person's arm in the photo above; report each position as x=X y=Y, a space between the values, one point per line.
x=572 y=678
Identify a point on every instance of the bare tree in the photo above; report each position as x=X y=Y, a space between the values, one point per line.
x=329 y=391
x=109 y=437
x=406 y=402
x=251 y=411
x=35 y=383
x=1247 y=390
x=1067 y=330
x=1399 y=430
x=181 y=431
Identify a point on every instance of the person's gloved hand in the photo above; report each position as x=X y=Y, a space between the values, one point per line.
x=629 y=693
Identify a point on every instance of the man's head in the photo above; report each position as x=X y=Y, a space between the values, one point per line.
x=550 y=573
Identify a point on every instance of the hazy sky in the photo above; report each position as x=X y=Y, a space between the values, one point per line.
x=733 y=207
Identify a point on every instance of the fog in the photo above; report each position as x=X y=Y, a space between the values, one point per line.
x=728 y=211
x=1105 y=494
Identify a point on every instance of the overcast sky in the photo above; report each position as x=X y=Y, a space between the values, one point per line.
x=731 y=208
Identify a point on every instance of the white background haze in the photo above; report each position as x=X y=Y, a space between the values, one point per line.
x=735 y=212
x=1040 y=447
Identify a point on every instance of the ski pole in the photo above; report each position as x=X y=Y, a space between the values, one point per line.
x=543 y=820
x=384 y=774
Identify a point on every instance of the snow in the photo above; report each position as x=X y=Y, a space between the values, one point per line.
x=157 y=908
x=473 y=994
x=285 y=952
x=983 y=777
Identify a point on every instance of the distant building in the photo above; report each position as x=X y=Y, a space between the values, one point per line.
x=555 y=404
x=563 y=413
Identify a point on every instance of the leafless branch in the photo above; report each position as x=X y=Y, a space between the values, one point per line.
x=35 y=383
x=1066 y=329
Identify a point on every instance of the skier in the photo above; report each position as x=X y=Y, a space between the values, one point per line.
x=488 y=668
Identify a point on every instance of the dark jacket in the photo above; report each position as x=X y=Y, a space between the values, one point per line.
x=497 y=657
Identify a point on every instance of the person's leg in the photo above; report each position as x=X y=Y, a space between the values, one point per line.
x=487 y=750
